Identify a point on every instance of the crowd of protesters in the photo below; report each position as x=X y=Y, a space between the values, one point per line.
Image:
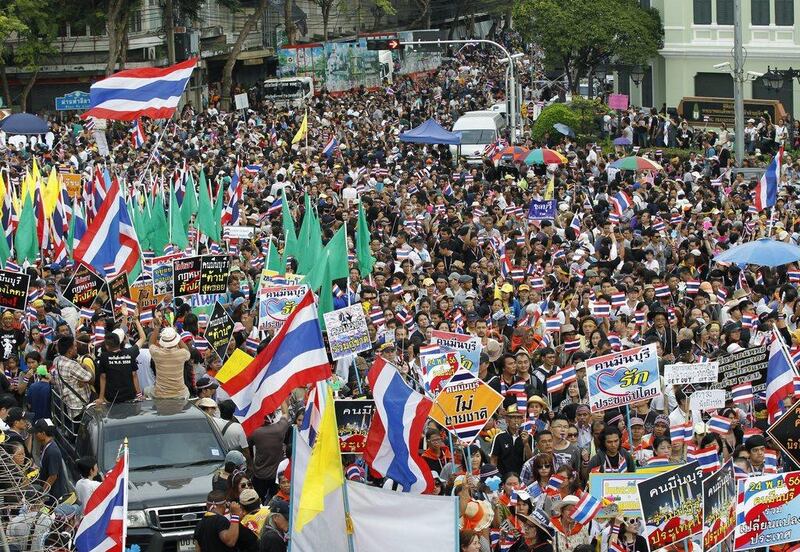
x=441 y=230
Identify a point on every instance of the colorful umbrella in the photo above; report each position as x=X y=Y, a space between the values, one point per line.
x=544 y=156
x=514 y=154
x=636 y=163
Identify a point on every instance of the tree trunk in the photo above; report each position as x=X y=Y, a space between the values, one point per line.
x=509 y=15
x=288 y=24
x=227 y=70
x=23 y=97
x=454 y=25
x=169 y=25
x=4 y=81
x=113 y=29
x=123 y=54
x=326 y=15
x=423 y=19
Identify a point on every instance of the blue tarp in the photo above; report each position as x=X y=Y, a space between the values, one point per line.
x=431 y=132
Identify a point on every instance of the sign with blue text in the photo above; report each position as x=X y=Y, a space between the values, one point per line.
x=623 y=377
x=73 y=101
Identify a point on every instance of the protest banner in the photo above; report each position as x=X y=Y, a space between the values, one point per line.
x=275 y=303
x=14 y=289
x=623 y=377
x=767 y=511
x=707 y=399
x=682 y=374
x=238 y=232
x=786 y=434
x=542 y=210
x=84 y=287
x=214 y=274
x=186 y=276
x=719 y=505
x=353 y=418
x=119 y=288
x=162 y=279
x=464 y=405
x=672 y=504
x=142 y=293
x=219 y=330
x=745 y=366
x=73 y=184
x=468 y=345
x=270 y=278
x=437 y=369
x=618 y=490
x=347 y=331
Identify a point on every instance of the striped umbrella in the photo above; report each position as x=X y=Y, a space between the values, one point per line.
x=514 y=154
x=545 y=156
x=636 y=163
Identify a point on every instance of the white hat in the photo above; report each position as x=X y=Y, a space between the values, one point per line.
x=120 y=334
x=169 y=338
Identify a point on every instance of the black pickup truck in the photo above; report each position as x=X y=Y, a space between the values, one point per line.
x=174 y=449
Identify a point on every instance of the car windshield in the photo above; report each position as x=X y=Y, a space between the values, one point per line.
x=163 y=443
x=477 y=136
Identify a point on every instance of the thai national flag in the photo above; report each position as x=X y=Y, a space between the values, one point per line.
x=555 y=383
x=447 y=189
x=111 y=237
x=505 y=266
x=554 y=484
x=794 y=276
x=330 y=147
x=146 y=316
x=601 y=309
x=617 y=300
x=750 y=432
x=296 y=356
x=692 y=287
x=676 y=218
x=137 y=134
x=567 y=374
x=780 y=378
x=12 y=266
x=659 y=225
x=682 y=432
x=708 y=458
x=640 y=317
x=104 y=522
x=276 y=207
x=662 y=291
x=537 y=283
x=586 y=509
x=614 y=341
x=152 y=92
x=656 y=461
x=376 y=316
x=572 y=345
x=722 y=294
x=719 y=424
x=770 y=461
x=742 y=393
x=517 y=274
x=622 y=201
x=396 y=430
x=766 y=191
x=396 y=289
x=796 y=387
x=552 y=324
x=576 y=224
x=201 y=344
x=87 y=313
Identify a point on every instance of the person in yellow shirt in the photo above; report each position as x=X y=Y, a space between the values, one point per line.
x=255 y=513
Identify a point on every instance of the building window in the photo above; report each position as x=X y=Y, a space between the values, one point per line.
x=713 y=85
x=135 y=23
x=645 y=4
x=702 y=12
x=724 y=12
x=759 y=12
x=784 y=13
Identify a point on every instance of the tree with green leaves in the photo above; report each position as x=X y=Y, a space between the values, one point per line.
x=580 y=36
x=227 y=70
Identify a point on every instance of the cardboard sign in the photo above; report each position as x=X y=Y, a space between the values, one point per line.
x=707 y=399
x=542 y=210
x=186 y=276
x=353 y=418
x=719 y=505
x=464 y=405
x=84 y=287
x=214 y=274
x=745 y=366
x=118 y=288
x=142 y=293
x=699 y=372
x=786 y=433
x=73 y=184
x=619 y=489
x=623 y=377
x=275 y=304
x=162 y=279
x=468 y=345
x=672 y=505
x=14 y=290
x=238 y=232
x=767 y=510
x=618 y=101
x=219 y=330
x=347 y=331
x=437 y=369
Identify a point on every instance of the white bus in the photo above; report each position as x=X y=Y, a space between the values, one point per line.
x=293 y=91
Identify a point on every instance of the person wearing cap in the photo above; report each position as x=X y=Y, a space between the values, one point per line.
x=44 y=318
x=537 y=533
x=274 y=534
x=117 y=369
x=215 y=532
x=51 y=463
x=206 y=387
x=18 y=427
x=256 y=514
x=72 y=380
x=568 y=533
x=511 y=448
x=169 y=356
x=223 y=477
x=756 y=447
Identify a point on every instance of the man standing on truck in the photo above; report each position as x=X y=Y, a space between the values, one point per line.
x=117 y=368
x=169 y=356
x=51 y=464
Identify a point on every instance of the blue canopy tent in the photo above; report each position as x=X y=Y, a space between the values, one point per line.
x=431 y=132
x=24 y=123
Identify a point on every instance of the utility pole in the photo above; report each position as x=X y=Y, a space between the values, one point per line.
x=738 y=82
x=169 y=25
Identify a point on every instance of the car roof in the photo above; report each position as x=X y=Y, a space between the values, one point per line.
x=150 y=410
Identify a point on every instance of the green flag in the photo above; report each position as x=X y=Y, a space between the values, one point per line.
x=218 y=205
x=335 y=261
x=275 y=259
x=142 y=230
x=189 y=205
x=365 y=259
x=309 y=241
x=177 y=234
x=77 y=212
x=289 y=235
x=205 y=211
x=26 y=242
x=159 y=237
x=5 y=252
x=325 y=303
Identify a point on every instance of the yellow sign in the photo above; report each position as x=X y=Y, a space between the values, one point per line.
x=464 y=405
x=73 y=184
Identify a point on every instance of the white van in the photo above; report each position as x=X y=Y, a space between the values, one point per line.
x=478 y=129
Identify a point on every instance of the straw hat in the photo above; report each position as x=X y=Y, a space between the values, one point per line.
x=477 y=516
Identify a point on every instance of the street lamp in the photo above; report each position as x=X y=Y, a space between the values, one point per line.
x=774 y=79
x=637 y=74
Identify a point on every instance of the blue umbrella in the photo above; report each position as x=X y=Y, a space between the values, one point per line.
x=564 y=129
x=764 y=252
x=24 y=123
x=622 y=141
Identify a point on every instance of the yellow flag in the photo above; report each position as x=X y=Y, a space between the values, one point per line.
x=27 y=188
x=50 y=193
x=2 y=188
x=237 y=362
x=324 y=473
x=302 y=131
x=36 y=177
x=548 y=192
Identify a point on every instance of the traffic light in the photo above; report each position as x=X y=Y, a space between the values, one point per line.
x=383 y=44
